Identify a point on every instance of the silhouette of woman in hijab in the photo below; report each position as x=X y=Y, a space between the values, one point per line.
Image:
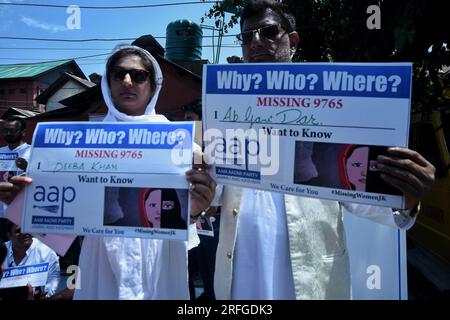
x=160 y=208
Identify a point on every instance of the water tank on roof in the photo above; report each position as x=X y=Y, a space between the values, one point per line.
x=183 y=41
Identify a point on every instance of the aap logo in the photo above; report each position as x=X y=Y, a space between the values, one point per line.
x=53 y=198
x=238 y=151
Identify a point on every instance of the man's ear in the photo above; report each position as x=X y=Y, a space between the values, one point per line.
x=294 y=40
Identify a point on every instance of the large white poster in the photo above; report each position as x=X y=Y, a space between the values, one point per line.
x=307 y=129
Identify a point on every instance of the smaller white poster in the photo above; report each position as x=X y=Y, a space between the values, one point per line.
x=205 y=227
x=35 y=275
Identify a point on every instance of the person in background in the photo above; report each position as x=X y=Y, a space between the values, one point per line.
x=202 y=258
x=193 y=110
x=24 y=250
x=3 y=253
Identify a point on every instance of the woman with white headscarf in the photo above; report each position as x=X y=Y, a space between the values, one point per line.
x=132 y=268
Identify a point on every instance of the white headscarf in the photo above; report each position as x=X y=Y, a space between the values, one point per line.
x=149 y=115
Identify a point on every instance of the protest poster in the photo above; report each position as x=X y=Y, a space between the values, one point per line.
x=110 y=179
x=309 y=129
x=36 y=275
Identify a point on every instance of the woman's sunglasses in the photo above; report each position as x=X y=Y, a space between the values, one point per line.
x=270 y=32
x=136 y=75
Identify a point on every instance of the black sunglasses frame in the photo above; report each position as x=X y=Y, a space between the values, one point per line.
x=137 y=75
x=264 y=32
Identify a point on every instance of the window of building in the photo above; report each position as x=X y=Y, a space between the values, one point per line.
x=11 y=91
x=23 y=90
x=2 y=91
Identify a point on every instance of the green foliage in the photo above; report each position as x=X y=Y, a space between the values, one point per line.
x=217 y=12
x=336 y=30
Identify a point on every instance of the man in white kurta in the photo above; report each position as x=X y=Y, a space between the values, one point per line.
x=277 y=246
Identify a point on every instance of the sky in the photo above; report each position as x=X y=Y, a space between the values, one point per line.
x=51 y=23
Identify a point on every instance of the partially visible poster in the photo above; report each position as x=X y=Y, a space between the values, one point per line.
x=36 y=275
x=110 y=179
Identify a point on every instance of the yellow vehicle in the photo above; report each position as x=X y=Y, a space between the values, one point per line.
x=430 y=136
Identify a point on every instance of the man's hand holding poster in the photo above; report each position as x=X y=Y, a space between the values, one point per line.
x=110 y=180
x=307 y=129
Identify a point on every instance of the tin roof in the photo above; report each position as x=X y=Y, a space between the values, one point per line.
x=29 y=70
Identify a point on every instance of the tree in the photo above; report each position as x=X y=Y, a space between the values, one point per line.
x=336 y=30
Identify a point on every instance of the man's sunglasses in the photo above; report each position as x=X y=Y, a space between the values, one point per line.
x=136 y=75
x=269 y=32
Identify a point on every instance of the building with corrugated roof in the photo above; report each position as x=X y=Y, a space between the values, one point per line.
x=20 y=84
x=67 y=85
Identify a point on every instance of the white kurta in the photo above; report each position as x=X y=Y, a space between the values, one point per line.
x=130 y=268
x=262 y=268
x=262 y=264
